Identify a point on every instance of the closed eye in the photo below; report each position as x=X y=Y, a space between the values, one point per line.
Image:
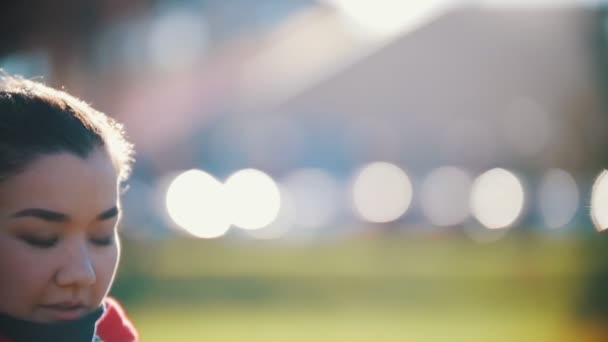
x=40 y=242
x=103 y=241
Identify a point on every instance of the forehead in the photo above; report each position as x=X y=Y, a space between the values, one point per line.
x=63 y=182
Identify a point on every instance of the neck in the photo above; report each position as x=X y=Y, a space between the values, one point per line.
x=78 y=330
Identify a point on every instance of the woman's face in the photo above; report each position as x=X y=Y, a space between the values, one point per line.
x=58 y=243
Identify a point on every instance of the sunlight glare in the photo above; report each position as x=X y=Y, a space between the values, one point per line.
x=387 y=18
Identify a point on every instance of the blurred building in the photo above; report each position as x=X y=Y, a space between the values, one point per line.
x=300 y=84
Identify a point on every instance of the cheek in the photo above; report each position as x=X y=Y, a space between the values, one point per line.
x=105 y=264
x=25 y=276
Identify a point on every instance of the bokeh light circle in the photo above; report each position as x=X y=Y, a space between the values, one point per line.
x=283 y=222
x=196 y=202
x=599 y=201
x=314 y=194
x=558 y=198
x=254 y=198
x=382 y=192
x=444 y=196
x=497 y=198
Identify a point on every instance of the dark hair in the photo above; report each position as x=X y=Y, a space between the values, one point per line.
x=37 y=120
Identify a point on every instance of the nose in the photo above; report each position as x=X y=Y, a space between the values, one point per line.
x=77 y=268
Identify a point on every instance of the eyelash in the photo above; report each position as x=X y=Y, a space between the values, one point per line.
x=40 y=243
x=104 y=241
x=49 y=243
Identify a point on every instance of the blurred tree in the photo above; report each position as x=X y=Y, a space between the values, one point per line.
x=594 y=296
x=64 y=28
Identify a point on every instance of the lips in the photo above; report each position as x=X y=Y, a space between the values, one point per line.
x=65 y=310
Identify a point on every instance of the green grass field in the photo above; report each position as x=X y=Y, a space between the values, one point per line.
x=399 y=288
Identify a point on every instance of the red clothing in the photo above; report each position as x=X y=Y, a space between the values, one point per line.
x=114 y=326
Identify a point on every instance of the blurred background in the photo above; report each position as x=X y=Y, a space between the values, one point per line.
x=326 y=170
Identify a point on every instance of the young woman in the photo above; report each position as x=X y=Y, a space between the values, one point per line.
x=62 y=164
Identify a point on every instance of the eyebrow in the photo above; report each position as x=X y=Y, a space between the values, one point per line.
x=54 y=216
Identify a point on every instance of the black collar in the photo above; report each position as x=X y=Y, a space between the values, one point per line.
x=78 y=330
